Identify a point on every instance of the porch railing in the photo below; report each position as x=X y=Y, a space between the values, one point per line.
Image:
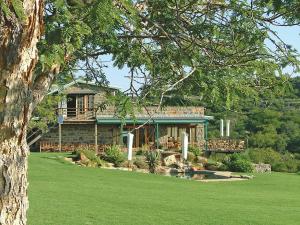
x=77 y=113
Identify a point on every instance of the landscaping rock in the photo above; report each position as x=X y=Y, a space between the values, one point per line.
x=200 y=166
x=82 y=157
x=109 y=165
x=174 y=170
x=170 y=160
x=202 y=160
x=178 y=165
x=69 y=160
x=262 y=168
x=163 y=170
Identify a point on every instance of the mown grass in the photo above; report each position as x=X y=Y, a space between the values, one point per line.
x=64 y=194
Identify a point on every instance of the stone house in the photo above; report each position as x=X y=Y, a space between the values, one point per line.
x=86 y=123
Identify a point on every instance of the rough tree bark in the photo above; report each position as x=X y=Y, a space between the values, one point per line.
x=18 y=56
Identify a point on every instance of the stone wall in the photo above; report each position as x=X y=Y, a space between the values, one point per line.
x=262 y=168
x=83 y=134
x=226 y=145
x=110 y=134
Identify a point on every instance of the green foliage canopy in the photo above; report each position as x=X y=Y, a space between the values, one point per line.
x=217 y=48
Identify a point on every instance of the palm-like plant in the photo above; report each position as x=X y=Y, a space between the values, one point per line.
x=152 y=159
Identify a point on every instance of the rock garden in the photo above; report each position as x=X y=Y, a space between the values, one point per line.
x=197 y=166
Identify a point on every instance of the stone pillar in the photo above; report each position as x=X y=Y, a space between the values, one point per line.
x=96 y=137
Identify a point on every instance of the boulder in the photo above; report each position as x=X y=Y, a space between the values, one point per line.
x=108 y=165
x=163 y=170
x=174 y=170
x=179 y=165
x=262 y=168
x=82 y=157
x=197 y=167
x=69 y=160
x=202 y=160
x=200 y=166
x=170 y=160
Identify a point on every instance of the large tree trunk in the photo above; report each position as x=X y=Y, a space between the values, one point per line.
x=19 y=34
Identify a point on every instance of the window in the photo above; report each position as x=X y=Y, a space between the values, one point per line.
x=80 y=103
x=90 y=102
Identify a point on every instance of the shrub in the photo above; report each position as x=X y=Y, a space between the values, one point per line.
x=219 y=157
x=297 y=156
x=152 y=159
x=113 y=154
x=140 y=163
x=265 y=155
x=93 y=159
x=279 y=162
x=239 y=163
x=279 y=167
x=191 y=157
x=223 y=167
x=195 y=150
x=142 y=150
x=214 y=165
x=292 y=165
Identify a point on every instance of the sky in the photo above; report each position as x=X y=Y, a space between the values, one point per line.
x=116 y=77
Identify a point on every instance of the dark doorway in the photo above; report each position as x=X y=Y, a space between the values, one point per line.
x=71 y=106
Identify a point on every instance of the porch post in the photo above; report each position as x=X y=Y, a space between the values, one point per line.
x=121 y=135
x=157 y=135
x=59 y=136
x=96 y=137
x=205 y=134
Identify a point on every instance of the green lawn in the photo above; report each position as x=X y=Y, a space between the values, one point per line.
x=65 y=194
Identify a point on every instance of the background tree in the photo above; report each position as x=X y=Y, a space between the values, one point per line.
x=220 y=44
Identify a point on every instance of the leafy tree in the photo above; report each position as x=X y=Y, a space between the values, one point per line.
x=267 y=123
x=215 y=47
x=45 y=113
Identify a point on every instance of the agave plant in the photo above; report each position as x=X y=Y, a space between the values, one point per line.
x=152 y=159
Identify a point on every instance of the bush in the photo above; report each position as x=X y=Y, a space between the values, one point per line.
x=279 y=162
x=279 y=167
x=140 y=163
x=292 y=165
x=142 y=150
x=113 y=154
x=297 y=156
x=219 y=157
x=265 y=155
x=195 y=150
x=93 y=159
x=239 y=163
x=212 y=165
x=152 y=159
x=191 y=157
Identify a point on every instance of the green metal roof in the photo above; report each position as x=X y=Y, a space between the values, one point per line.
x=166 y=120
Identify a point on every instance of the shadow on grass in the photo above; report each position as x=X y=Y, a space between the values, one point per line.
x=61 y=158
